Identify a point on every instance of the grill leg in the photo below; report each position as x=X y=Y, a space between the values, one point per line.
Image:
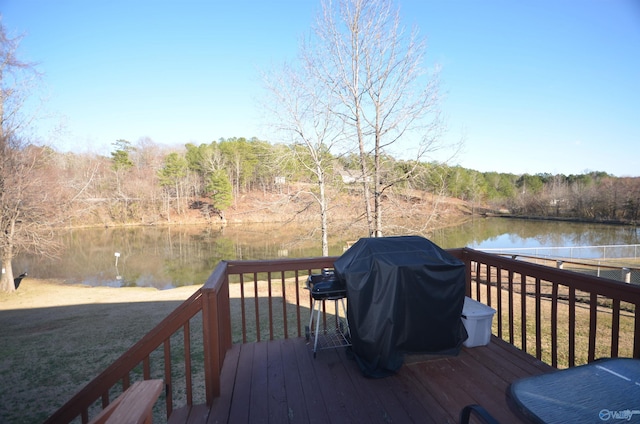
x=315 y=344
x=313 y=306
x=346 y=320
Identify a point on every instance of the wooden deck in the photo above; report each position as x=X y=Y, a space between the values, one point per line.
x=280 y=381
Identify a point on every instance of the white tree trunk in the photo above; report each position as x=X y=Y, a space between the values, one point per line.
x=324 y=207
x=6 y=279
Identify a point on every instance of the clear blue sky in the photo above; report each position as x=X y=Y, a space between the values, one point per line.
x=534 y=85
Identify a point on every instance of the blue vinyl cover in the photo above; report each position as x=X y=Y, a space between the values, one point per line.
x=405 y=295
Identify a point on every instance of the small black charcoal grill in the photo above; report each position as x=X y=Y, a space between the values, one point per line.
x=324 y=287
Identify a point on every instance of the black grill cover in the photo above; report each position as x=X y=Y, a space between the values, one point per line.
x=405 y=295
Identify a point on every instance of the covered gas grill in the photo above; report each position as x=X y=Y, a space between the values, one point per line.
x=405 y=295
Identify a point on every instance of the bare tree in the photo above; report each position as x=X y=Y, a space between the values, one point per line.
x=25 y=216
x=147 y=157
x=82 y=177
x=304 y=114
x=373 y=69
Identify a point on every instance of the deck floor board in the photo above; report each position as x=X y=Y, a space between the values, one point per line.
x=280 y=381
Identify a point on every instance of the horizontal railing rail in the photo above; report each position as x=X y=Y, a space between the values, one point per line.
x=551 y=313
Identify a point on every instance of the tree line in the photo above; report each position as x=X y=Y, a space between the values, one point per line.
x=592 y=196
x=145 y=183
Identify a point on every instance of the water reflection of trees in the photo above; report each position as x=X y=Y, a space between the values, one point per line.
x=174 y=256
x=545 y=233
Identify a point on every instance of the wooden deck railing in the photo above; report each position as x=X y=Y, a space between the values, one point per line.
x=263 y=299
x=561 y=317
x=547 y=312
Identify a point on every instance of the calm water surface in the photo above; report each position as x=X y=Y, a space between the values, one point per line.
x=164 y=257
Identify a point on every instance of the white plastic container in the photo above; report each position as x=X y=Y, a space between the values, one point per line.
x=477 y=319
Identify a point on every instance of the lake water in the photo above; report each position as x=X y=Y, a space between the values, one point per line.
x=166 y=257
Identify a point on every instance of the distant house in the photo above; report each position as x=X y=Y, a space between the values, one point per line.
x=351 y=176
x=280 y=180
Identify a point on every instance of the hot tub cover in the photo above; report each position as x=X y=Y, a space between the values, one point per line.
x=405 y=295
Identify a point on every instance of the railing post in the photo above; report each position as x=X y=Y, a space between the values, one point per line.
x=467 y=265
x=210 y=337
x=216 y=324
x=224 y=311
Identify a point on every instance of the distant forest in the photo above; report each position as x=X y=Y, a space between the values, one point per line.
x=145 y=183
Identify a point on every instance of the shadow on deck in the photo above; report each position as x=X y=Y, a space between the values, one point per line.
x=279 y=381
